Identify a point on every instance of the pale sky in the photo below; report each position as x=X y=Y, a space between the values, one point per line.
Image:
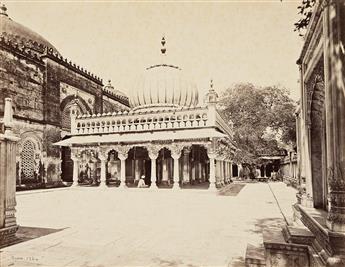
x=229 y=42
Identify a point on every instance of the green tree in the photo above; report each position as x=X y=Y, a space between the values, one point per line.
x=263 y=120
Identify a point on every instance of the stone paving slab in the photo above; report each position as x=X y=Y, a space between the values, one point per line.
x=139 y=227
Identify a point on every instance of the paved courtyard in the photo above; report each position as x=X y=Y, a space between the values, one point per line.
x=137 y=227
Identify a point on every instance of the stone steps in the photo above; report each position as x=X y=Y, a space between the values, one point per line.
x=287 y=247
x=255 y=256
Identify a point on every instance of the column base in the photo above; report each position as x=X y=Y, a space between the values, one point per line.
x=75 y=184
x=176 y=186
x=123 y=185
x=154 y=186
x=7 y=235
x=212 y=187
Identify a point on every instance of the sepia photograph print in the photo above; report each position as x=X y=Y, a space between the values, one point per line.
x=172 y=133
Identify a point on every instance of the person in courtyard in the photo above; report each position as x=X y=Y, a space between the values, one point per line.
x=141 y=183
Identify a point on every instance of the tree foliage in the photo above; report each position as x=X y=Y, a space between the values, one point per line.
x=305 y=9
x=263 y=120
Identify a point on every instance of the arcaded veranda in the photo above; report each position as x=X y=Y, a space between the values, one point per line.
x=139 y=227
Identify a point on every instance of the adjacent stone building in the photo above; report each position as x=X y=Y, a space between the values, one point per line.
x=43 y=85
x=316 y=237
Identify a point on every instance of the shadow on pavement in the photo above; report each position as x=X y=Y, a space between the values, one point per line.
x=231 y=190
x=26 y=233
x=262 y=224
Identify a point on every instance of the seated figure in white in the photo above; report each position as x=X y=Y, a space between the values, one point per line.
x=141 y=182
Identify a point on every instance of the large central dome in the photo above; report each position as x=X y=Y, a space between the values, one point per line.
x=163 y=86
x=22 y=35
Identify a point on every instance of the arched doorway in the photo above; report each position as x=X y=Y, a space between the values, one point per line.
x=138 y=164
x=194 y=166
x=113 y=173
x=89 y=169
x=234 y=170
x=165 y=168
x=65 y=107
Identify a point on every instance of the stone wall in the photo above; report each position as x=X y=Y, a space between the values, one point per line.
x=21 y=80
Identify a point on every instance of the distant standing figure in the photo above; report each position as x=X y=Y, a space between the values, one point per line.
x=141 y=182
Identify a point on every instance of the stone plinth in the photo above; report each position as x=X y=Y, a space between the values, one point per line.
x=283 y=254
x=8 y=147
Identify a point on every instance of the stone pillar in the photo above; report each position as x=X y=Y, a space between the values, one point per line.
x=212 y=178
x=165 y=173
x=8 y=150
x=93 y=167
x=19 y=170
x=230 y=171
x=225 y=163
x=153 y=154
x=176 y=157
x=136 y=170
x=103 y=159
x=75 y=157
x=221 y=172
x=153 y=173
x=123 y=156
x=186 y=165
x=335 y=113
x=200 y=178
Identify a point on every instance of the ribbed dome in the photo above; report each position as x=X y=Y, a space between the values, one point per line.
x=163 y=86
x=21 y=34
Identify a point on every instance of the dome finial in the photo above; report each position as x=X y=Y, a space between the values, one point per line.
x=163 y=49
x=211 y=96
x=3 y=10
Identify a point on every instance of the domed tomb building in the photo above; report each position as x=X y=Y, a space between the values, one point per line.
x=43 y=85
x=167 y=138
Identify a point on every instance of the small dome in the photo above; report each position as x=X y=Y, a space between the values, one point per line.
x=22 y=35
x=163 y=86
x=110 y=88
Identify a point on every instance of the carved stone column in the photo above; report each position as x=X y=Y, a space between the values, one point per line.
x=8 y=151
x=122 y=155
x=335 y=114
x=153 y=155
x=93 y=167
x=226 y=178
x=102 y=156
x=186 y=165
x=75 y=157
x=136 y=170
x=176 y=154
x=165 y=171
x=19 y=170
x=221 y=172
x=212 y=178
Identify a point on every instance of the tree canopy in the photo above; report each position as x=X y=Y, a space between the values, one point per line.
x=263 y=120
x=305 y=9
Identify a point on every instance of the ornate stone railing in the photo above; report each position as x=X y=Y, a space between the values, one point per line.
x=135 y=121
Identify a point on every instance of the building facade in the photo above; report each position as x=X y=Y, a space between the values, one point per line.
x=167 y=137
x=43 y=84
